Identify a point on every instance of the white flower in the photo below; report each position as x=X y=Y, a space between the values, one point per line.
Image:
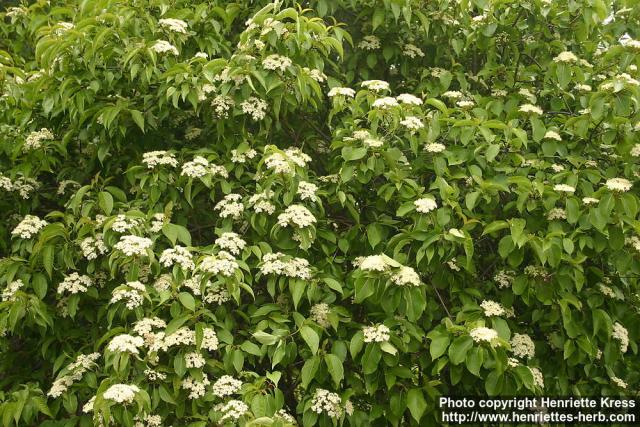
x=589 y=200
x=276 y=62
x=369 y=43
x=194 y=360
x=163 y=46
x=280 y=264
x=566 y=57
x=196 y=388
x=132 y=293
x=73 y=372
x=125 y=343
x=155 y=158
x=8 y=294
x=122 y=223
x=453 y=94
x=384 y=103
x=484 y=334
x=296 y=216
x=121 y=393
x=504 y=278
x=74 y=283
x=621 y=334
x=255 y=107
x=435 y=147
x=93 y=246
x=133 y=245
x=327 y=402
x=261 y=202
x=425 y=205
x=175 y=25
x=530 y=109
x=307 y=191
x=373 y=143
x=412 y=51
x=342 y=91
x=552 y=135
x=618 y=382
x=412 y=123
x=222 y=263
x=406 y=276
x=522 y=346
x=35 y=138
x=407 y=98
x=200 y=167
x=465 y=103
x=237 y=157
x=230 y=206
x=457 y=233
x=538 y=379
x=144 y=326
x=28 y=227
x=492 y=308
x=222 y=104
x=209 y=339
x=376 y=333
x=88 y=407
x=556 y=213
x=582 y=87
x=233 y=410
x=499 y=93
x=226 y=385
x=231 y=242
x=564 y=188
x=373 y=263
x=619 y=184
x=375 y=85
x=319 y=314
x=316 y=74
x=178 y=255
x=635 y=151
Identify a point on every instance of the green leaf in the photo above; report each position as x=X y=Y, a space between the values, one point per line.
x=416 y=403
x=439 y=344
x=311 y=338
x=459 y=348
x=187 y=300
x=336 y=370
x=138 y=118
x=105 y=201
x=309 y=370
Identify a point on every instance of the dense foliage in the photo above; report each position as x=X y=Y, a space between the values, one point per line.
x=322 y=213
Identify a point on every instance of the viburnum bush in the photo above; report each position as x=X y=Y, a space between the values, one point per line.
x=325 y=213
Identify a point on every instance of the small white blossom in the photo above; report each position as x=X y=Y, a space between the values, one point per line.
x=121 y=393
x=425 y=205
x=74 y=283
x=230 y=206
x=133 y=245
x=178 y=255
x=326 y=402
x=484 y=334
x=125 y=344
x=376 y=333
x=492 y=308
x=163 y=46
x=296 y=216
x=28 y=227
x=342 y=91
x=156 y=158
x=222 y=263
x=522 y=346
x=226 y=385
x=619 y=184
x=231 y=242
x=530 y=109
x=175 y=25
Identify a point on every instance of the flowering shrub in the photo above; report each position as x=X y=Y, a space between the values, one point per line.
x=254 y=213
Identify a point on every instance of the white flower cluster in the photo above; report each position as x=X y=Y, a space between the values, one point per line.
x=199 y=167
x=74 y=283
x=435 y=147
x=538 y=378
x=412 y=51
x=222 y=104
x=406 y=276
x=369 y=43
x=633 y=241
x=372 y=263
x=237 y=157
x=133 y=245
x=177 y=255
x=407 y=98
x=255 y=107
x=231 y=242
x=132 y=293
x=276 y=62
x=296 y=216
x=375 y=85
x=261 y=202
x=492 y=308
x=230 y=206
x=93 y=246
x=484 y=334
x=319 y=314
x=163 y=46
x=503 y=278
x=157 y=222
x=564 y=188
x=221 y=263
x=621 y=334
x=226 y=385
x=619 y=185
x=216 y=294
x=28 y=227
x=175 y=25
x=209 y=339
x=73 y=372
x=425 y=205
x=121 y=393
x=316 y=74
x=530 y=109
x=307 y=191
x=284 y=162
x=233 y=410
x=194 y=360
x=125 y=343
x=556 y=213
x=327 y=402
x=35 y=138
x=342 y=91
x=619 y=382
x=376 y=333
x=9 y=293
x=412 y=123
x=155 y=158
x=123 y=223
x=465 y=103
x=522 y=346
x=551 y=134
x=385 y=103
x=283 y=265
x=635 y=151
x=196 y=388
x=566 y=57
